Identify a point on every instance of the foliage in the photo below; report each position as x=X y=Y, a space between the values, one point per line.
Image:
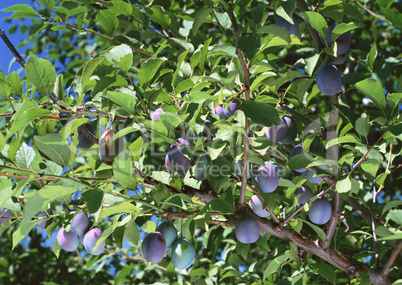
x=104 y=67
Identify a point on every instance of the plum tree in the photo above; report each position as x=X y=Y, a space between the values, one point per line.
x=256 y=205
x=306 y=195
x=169 y=233
x=293 y=29
x=153 y=247
x=329 y=80
x=224 y=74
x=5 y=212
x=266 y=177
x=156 y=113
x=176 y=158
x=320 y=211
x=247 y=229
x=109 y=147
x=67 y=241
x=90 y=240
x=342 y=42
x=284 y=133
x=83 y=141
x=80 y=224
x=183 y=253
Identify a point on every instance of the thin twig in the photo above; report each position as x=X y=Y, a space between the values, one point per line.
x=11 y=47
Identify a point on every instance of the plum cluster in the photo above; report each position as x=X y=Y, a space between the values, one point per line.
x=225 y=114
x=155 y=245
x=69 y=241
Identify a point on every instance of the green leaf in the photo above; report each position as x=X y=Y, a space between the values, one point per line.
x=25 y=118
x=126 y=101
x=87 y=72
x=277 y=31
x=370 y=166
x=325 y=270
x=42 y=198
x=362 y=125
x=391 y=237
x=299 y=161
x=372 y=56
x=261 y=113
x=23 y=230
x=344 y=184
x=49 y=4
x=41 y=73
x=199 y=18
x=317 y=22
x=2 y=142
x=93 y=200
x=343 y=28
x=344 y=139
x=124 y=169
x=54 y=147
x=396 y=216
x=391 y=204
x=21 y=11
x=249 y=44
x=318 y=230
x=373 y=90
x=285 y=8
x=274 y=265
x=25 y=155
x=148 y=70
x=119 y=208
x=108 y=21
x=121 y=55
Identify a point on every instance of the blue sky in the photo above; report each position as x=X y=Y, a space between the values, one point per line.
x=6 y=55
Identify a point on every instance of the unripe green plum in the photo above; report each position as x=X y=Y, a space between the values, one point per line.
x=306 y=195
x=267 y=177
x=256 y=205
x=80 y=224
x=155 y=115
x=183 y=253
x=320 y=211
x=176 y=158
x=153 y=247
x=67 y=241
x=109 y=148
x=247 y=229
x=329 y=80
x=83 y=141
x=90 y=240
x=5 y=212
x=169 y=233
x=201 y=167
x=293 y=29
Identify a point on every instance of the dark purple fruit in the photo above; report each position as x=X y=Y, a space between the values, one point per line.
x=68 y=242
x=320 y=211
x=247 y=229
x=153 y=247
x=267 y=177
x=109 y=148
x=329 y=80
x=90 y=240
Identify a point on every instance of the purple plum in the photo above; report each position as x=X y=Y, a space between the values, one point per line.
x=247 y=229
x=267 y=177
x=169 y=233
x=155 y=115
x=256 y=205
x=153 y=247
x=320 y=211
x=306 y=195
x=5 y=212
x=176 y=158
x=90 y=240
x=67 y=241
x=293 y=29
x=109 y=148
x=80 y=224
